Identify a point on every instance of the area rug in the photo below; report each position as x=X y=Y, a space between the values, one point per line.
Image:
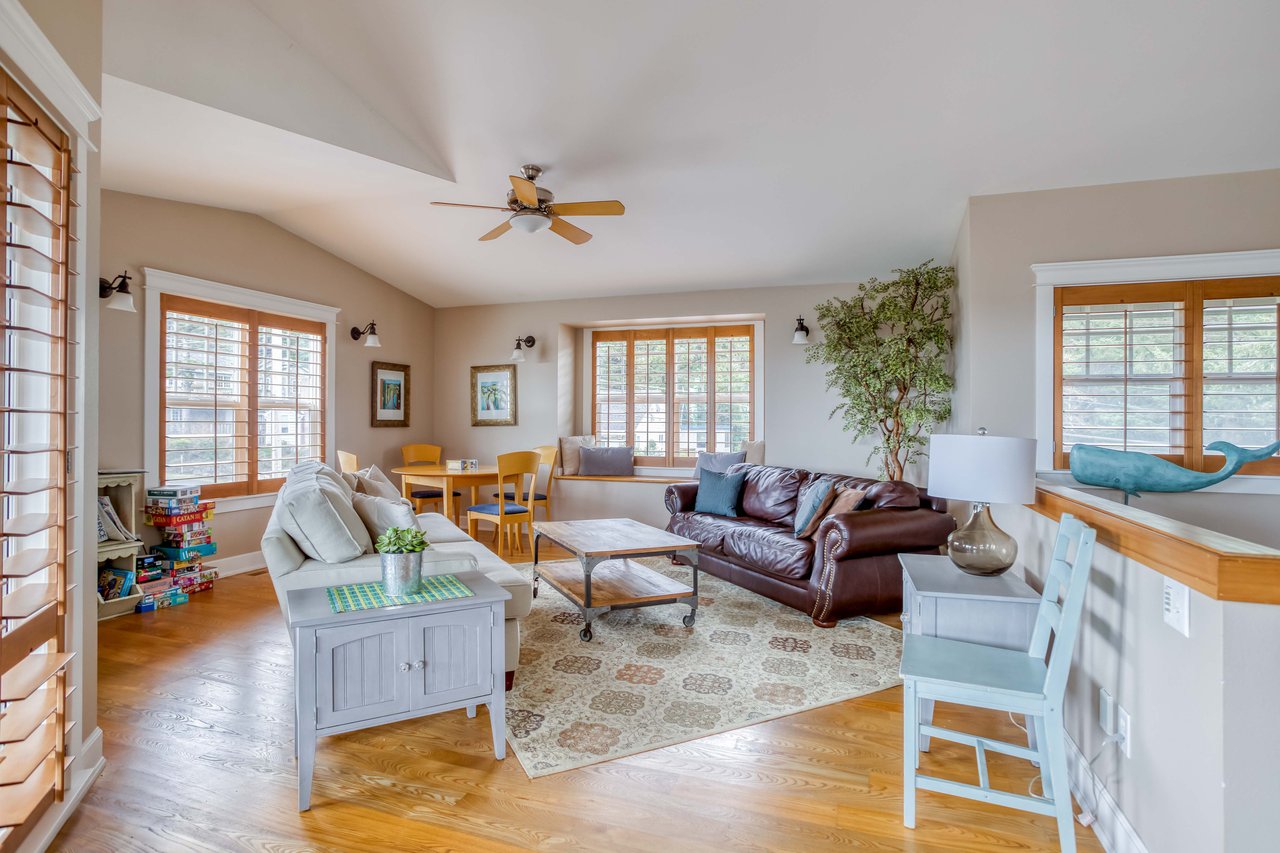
x=645 y=681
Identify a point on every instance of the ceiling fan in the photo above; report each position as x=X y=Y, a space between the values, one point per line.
x=535 y=209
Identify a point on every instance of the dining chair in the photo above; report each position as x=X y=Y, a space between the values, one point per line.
x=1031 y=683
x=512 y=469
x=548 y=454
x=424 y=496
x=347 y=463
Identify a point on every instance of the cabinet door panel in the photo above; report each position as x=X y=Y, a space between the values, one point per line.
x=358 y=674
x=455 y=650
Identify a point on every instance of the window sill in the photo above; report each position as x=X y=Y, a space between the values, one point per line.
x=1241 y=484
x=240 y=503
x=634 y=478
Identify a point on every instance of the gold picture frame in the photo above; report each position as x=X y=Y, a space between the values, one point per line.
x=389 y=395
x=493 y=395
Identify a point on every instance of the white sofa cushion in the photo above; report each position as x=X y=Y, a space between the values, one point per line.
x=497 y=570
x=314 y=508
x=439 y=529
x=315 y=573
x=380 y=513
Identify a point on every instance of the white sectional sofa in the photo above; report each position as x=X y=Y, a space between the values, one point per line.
x=451 y=550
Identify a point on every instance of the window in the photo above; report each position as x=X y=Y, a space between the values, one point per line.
x=1169 y=369
x=242 y=396
x=35 y=427
x=671 y=393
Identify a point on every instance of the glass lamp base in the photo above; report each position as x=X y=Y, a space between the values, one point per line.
x=979 y=547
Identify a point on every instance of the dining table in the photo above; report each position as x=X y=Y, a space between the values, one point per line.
x=447 y=479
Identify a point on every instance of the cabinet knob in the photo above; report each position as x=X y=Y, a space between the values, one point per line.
x=906 y=617
x=419 y=664
x=404 y=667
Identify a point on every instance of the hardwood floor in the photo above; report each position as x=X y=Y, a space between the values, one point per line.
x=196 y=707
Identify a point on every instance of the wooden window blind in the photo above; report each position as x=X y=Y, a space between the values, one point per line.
x=1168 y=369
x=242 y=398
x=672 y=393
x=35 y=425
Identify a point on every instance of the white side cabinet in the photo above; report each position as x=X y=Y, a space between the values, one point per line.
x=370 y=667
x=939 y=600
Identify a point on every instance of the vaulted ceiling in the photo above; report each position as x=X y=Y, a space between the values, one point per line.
x=754 y=143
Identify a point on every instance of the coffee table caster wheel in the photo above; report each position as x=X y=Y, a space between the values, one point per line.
x=688 y=620
x=585 y=634
x=535 y=589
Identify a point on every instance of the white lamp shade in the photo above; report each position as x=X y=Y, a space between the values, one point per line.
x=992 y=469
x=530 y=221
x=517 y=355
x=371 y=340
x=800 y=337
x=120 y=301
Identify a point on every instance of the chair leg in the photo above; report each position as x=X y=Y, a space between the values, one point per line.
x=910 y=742
x=926 y=717
x=473 y=527
x=1054 y=748
x=1035 y=737
x=530 y=537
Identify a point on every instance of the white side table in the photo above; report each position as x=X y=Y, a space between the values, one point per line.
x=939 y=600
x=370 y=667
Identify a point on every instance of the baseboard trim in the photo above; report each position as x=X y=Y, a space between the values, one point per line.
x=80 y=782
x=239 y=564
x=1110 y=825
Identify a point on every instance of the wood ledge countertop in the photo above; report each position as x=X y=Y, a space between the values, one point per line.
x=1220 y=566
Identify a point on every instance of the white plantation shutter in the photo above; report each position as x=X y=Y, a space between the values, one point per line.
x=242 y=396
x=671 y=393
x=34 y=427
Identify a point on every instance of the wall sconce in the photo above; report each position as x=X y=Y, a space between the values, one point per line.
x=371 y=330
x=801 y=336
x=517 y=354
x=116 y=292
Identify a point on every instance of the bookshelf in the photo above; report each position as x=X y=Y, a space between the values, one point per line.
x=124 y=488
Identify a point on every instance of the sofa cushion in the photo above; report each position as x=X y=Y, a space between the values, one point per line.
x=891 y=494
x=439 y=529
x=719 y=494
x=497 y=570
x=314 y=508
x=378 y=513
x=709 y=530
x=771 y=493
x=773 y=549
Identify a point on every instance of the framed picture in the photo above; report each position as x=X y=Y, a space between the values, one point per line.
x=493 y=395
x=390 y=397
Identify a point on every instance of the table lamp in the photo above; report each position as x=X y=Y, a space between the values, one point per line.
x=984 y=469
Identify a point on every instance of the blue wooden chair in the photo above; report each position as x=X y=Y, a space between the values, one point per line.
x=1032 y=683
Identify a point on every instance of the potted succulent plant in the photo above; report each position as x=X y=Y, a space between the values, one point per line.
x=401 y=549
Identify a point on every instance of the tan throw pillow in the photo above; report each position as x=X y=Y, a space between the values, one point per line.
x=371 y=481
x=847 y=500
x=571 y=452
x=379 y=513
x=754 y=451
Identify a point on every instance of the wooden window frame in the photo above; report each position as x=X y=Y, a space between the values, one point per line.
x=1192 y=294
x=671 y=334
x=255 y=320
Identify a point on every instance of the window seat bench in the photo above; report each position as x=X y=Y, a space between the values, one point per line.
x=632 y=478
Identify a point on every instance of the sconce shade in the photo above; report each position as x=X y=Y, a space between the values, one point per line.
x=801 y=336
x=372 y=340
x=121 y=300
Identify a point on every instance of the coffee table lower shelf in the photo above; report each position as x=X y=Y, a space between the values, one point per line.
x=616 y=584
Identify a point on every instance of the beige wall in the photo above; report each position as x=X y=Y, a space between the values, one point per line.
x=247 y=251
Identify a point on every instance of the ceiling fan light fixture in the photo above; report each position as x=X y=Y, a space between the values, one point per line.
x=530 y=221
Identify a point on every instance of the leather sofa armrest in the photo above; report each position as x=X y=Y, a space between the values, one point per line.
x=881 y=531
x=681 y=497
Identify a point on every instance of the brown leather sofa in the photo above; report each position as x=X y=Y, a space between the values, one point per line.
x=849 y=567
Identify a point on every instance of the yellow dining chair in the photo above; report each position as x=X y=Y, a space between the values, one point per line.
x=547 y=456
x=423 y=496
x=512 y=468
x=347 y=463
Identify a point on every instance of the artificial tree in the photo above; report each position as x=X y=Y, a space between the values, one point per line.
x=887 y=351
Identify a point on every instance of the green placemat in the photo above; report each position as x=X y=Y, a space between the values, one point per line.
x=366 y=596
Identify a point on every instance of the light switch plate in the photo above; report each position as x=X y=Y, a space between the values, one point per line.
x=1177 y=606
x=1124 y=731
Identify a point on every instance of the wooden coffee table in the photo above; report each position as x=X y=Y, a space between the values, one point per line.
x=609 y=578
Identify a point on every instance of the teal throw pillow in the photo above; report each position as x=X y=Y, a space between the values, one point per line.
x=814 y=503
x=719 y=494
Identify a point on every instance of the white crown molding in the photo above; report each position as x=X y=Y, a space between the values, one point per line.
x=1167 y=268
x=160 y=281
x=22 y=41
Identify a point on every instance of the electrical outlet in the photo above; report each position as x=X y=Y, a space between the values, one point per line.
x=1106 y=711
x=1124 y=730
x=1177 y=606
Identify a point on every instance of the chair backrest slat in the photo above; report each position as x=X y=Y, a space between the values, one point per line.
x=512 y=468
x=547 y=455
x=421 y=454
x=347 y=463
x=1061 y=621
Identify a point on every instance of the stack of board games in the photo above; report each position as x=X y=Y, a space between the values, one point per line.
x=175 y=569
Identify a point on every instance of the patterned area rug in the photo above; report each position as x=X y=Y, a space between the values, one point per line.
x=645 y=681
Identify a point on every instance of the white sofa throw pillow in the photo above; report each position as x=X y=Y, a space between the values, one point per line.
x=371 y=481
x=314 y=508
x=379 y=513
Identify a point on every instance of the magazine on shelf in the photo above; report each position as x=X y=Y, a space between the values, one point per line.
x=111 y=522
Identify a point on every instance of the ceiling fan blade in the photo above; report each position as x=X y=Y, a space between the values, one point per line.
x=500 y=230
x=589 y=208
x=572 y=233
x=525 y=191
x=478 y=206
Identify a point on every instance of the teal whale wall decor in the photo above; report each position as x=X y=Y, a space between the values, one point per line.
x=1132 y=472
